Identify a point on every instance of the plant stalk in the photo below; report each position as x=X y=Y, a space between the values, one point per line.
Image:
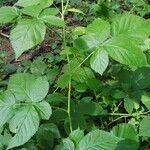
x=68 y=60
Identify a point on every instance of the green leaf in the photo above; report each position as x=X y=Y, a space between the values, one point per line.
x=96 y=33
x=132 y=27
x=7 y=100
x=27 y=87
x=24 y=124
x=46 y=3
x=49 y=11
x=99 y=61
x=8 y=14
x=126 y=131
x=78 y=30
x=63 y=81
x=26 y=3
x=33 y=11
x=128 y=104
x=67 y=145
x=76 y=136
x=44 y=110
x=46 y=135
x=27 y=34
x=81 y=75
x=88 y=107
x=53 y=20
x=86 y=42
x=125 y=23
x=99 y=28
x=129 y=134
x=140 y=79
x=38 y=67
x=98 y=140
x=146 y=101
x=127 y=145
x=56 y=98
x=4 y=139
x=125 y=52
x=144 y=127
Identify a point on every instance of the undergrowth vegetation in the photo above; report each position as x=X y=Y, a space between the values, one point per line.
x=75 y=75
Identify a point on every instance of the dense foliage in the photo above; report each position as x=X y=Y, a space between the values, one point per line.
x=79 y=77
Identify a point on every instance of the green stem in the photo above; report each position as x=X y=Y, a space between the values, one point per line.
x=59 y=108
x=68 y=60
x=69 y=104
x=119 y=114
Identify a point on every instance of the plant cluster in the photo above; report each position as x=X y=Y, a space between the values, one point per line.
x=91 y=90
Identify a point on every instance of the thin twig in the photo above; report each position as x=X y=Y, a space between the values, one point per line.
x=5 y=35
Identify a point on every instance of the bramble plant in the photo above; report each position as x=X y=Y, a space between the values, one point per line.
x=113 y=50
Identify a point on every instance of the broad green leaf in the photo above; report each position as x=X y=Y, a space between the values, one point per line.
x=27 y=34
x=56 y=98
x=26 y=3
x=49 y=11
x=7 y=101
x=93 y=84
x=99 y=28
x=140 y=79
x=88 y=107
x=123 y=51
x=46 y=135
x=131 y=26
x=27 y=87
x=76 y=136
x=118 y=94
x=99 y=61
x=125 y=23
x=96 y=33
x=44 y=110
x=66 y=144
x=129 y=134
x=50 y=128
x=78 y=121
x=79 y=30
x=82 y=74
x=63 y=81
x=46 y=3
x=24 y=124
x=144 y=127
x=128 y=104
x=38 y=67
x=8 y=14
x=33 y=11
x=58 y=116
x=98 y=140
x=146 y=101
x=86 y=42
x=4 y=139
x=53 y=20
x=126 y=131
x=128 y=145
x=42 y=3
